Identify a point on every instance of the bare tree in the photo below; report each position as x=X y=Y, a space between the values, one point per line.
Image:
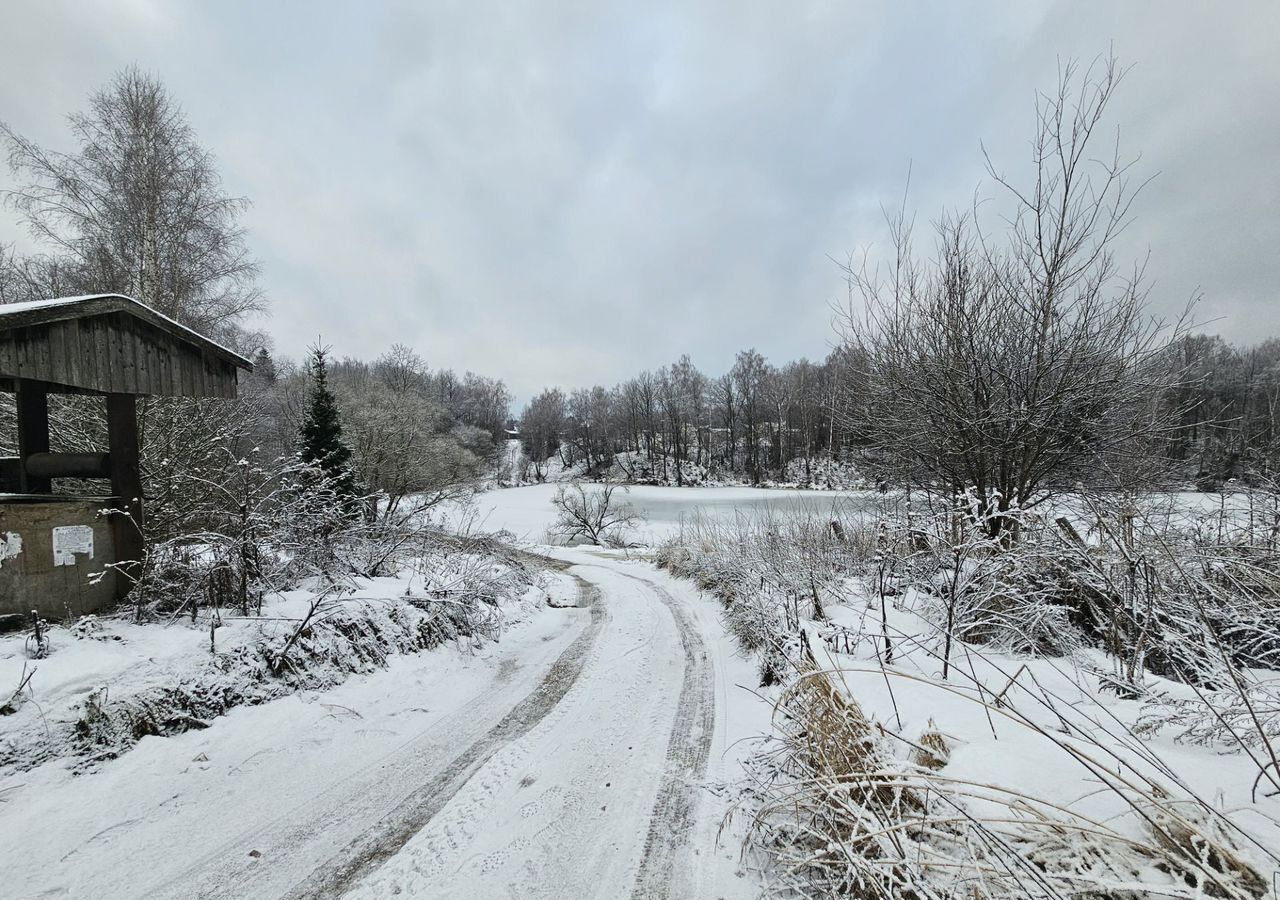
x=1013 y=366
x=402 y=445
x=750 y=373
x=592 y=515
x=540 y=428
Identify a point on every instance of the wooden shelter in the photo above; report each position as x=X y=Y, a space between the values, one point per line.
x=105 y=345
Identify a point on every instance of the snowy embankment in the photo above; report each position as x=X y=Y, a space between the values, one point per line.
x=1099 y=785
x=250 y=806
x=107 y=682
x=639 y=469
x=905 y=761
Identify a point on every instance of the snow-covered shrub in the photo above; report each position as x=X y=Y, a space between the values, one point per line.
x=771 y=571
x=638 y=468
x=88 y=628
x=453 y=598
x=983 y=589
x=283 y=524
x=1191 y=597
x=270 y=524
x=351 y=636
x=1248 y=716
x=824 y=473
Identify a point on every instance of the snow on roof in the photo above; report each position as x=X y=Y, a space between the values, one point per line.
x=45 y=304
x=129 y=305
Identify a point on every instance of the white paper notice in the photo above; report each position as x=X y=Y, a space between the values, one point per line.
x=68 y=540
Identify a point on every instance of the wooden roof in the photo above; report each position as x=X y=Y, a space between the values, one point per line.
x=109 y=343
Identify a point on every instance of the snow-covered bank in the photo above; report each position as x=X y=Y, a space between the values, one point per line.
x=250 y=805
x=1006 y=735
x=107 y=682
x=922 y=746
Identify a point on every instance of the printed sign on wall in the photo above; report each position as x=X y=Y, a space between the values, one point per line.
x=68 y=540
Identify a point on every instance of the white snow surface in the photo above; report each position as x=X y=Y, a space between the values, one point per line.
x=566 y=811
x=590 y=753
x=450 y=774
x=909 y=698
x=227 y=800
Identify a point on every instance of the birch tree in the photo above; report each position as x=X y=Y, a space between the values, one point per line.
x=137 y=208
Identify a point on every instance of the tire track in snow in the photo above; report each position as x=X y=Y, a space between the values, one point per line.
x=672 y=823
x=374 y=847
x=604 y=769
x=220 y=873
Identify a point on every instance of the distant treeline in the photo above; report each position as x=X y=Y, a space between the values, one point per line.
x=759 y=422
x=753 y=422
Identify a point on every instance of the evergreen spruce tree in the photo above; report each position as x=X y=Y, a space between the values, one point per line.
x=264 y=367
x=321 y=433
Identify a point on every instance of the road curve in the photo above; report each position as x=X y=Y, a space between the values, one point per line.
x=583 y=784
x=417 y=809
x=597 y=800
x=387 y=801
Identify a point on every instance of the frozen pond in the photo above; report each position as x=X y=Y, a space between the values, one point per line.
x=668 y=506
x=527 y=511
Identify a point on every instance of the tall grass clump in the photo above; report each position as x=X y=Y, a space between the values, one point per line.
x=849 y=807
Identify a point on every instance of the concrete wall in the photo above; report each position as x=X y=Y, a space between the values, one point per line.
x=57 y=585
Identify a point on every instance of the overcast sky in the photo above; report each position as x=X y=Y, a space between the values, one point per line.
x=567 y=193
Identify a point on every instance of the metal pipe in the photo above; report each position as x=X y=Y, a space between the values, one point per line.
x=68 y=465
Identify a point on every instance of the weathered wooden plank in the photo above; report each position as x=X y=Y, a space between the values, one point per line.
x=116 y=353
x=146 y=363
x=130 y=342
x=126 y=484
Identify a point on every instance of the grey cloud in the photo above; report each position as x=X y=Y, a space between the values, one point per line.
x=571 y=192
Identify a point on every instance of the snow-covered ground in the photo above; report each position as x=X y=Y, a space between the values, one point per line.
x=1036 y=754
x=250 y=805
x=620 y=790
x=588 y=753
x=594 y=751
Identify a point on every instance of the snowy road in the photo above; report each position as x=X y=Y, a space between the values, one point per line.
x=573 y=761
x=596 y=800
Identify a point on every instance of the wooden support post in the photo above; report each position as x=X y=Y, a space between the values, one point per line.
x=126 y=484
x=33 y=433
